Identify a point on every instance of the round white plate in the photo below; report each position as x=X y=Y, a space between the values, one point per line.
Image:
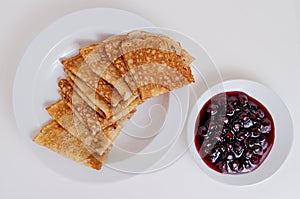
x=35 y=87
x=283 y=130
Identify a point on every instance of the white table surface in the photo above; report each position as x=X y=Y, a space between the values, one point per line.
x=257 y=40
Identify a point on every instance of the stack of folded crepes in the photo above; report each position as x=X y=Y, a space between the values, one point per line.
x=104 y=85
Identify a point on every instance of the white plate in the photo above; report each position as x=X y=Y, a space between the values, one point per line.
x=35 y=87
x=283 y=131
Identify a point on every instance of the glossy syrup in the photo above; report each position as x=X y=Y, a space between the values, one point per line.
x=235 y=133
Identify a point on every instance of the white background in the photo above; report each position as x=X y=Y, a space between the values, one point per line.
x=252 y=39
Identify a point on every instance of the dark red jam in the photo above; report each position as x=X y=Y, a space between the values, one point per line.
x=235 y=133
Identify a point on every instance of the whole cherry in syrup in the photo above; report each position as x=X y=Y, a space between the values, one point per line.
x=235 y=133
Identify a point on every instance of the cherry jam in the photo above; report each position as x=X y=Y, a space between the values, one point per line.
x=235 y=133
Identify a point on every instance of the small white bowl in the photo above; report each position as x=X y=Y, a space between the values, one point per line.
x=283 y=131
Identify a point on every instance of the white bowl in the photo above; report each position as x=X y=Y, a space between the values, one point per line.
x=283 y=131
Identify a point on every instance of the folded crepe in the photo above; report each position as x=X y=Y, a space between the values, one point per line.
x=96 y=143
x=74 y=97
x=78 y=67
x=114 y=54
x=98 y=104
x=157 y=64
x=57 y=139
x=99 y=63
